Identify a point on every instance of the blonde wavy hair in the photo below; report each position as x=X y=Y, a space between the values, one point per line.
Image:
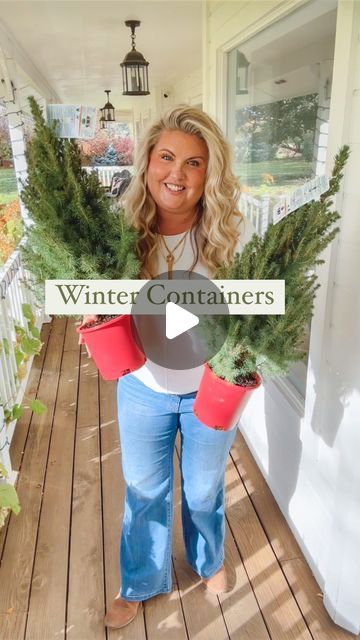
x=215 y=232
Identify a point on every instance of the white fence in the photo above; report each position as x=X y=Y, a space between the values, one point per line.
x=105 y=174
x=14 y=293
x=257 y=210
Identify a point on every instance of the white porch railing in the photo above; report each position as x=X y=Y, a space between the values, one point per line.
x=13 y=294
x=105 y=174
x=257 y=210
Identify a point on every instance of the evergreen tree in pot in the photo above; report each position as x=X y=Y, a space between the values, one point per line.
x=73 y=234
x=261 y=345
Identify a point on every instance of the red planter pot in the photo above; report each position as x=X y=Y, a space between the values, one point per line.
x=114 y=346
x=218 y=403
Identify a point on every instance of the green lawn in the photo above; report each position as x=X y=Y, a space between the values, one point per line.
x=8 y=197
x=7 y=181
x=283 y=170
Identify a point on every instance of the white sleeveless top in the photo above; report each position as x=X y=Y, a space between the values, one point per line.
x=177 y=381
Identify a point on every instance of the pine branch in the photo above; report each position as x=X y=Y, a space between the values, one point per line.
x=74 y=233
x=289 y=251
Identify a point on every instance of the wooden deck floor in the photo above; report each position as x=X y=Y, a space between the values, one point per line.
x=59 y=556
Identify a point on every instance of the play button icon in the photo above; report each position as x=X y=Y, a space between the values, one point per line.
x=178 y=320
x=181 y=323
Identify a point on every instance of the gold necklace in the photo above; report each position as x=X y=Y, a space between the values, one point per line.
x=170 y=257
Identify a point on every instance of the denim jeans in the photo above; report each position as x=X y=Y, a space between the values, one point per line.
x=148 y=422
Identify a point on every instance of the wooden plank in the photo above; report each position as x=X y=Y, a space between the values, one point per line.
x=163 y=614
x=254 y=518
x=88 y=400
x=294 y=565
x=272 y=520
x=17 y=564
x=239 y=608
x=47 y=607
x=86 y=597
x=12 y=625
x=112 y=483
x=281 y=613
x=202 y=610
x=22 y=426
x=113 y=503
x=72 y=338
x=86 y=584
x=309 y=597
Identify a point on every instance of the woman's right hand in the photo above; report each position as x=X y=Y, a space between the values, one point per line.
x=85 y=320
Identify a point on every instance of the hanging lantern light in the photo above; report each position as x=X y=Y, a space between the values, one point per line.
x=102 y=120
x=134 y=68
x=108 y=111
x=242 y=73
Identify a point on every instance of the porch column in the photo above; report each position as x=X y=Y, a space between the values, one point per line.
x=16 y=124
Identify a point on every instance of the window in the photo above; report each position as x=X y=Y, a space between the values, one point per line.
x=278 y=102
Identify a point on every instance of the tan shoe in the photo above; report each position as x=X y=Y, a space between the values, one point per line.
x=121 y=613
x=218 y=583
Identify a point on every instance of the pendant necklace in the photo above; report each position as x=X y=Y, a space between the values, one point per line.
x=170 y=257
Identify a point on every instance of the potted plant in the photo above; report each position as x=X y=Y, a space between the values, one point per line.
x=259 y=345
x=74 y=234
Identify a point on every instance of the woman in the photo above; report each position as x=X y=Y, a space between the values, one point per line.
x=183 y=202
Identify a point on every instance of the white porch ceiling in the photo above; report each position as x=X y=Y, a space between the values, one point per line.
x=77 y=45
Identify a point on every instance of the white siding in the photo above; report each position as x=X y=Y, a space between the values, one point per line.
x=187 y=90
x=183 y=90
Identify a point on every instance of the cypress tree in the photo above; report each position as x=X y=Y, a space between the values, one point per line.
x=73 y=234
x=289 y=250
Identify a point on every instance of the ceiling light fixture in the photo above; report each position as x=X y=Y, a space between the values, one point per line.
x=134 y=68
x=108 y=111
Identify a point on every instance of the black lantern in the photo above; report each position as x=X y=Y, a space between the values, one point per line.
x=102 y=119
x=242 y=73
x=134 y=68
x=108 y=111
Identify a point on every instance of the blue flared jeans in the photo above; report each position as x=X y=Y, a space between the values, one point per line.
x=148 y=422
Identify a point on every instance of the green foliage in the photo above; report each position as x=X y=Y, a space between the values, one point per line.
x=3 y=471
x=37 y=407
x=8 y=497
x=289 y=250
x=74 y=232
x=5 y=150
x=27 y=311
x=308 y=146
x=27 y=344
x=280 y=124
x=17 y=411
x=8 y=182
x=6 y=346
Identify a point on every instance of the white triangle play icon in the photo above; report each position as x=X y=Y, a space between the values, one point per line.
x=178 y=320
